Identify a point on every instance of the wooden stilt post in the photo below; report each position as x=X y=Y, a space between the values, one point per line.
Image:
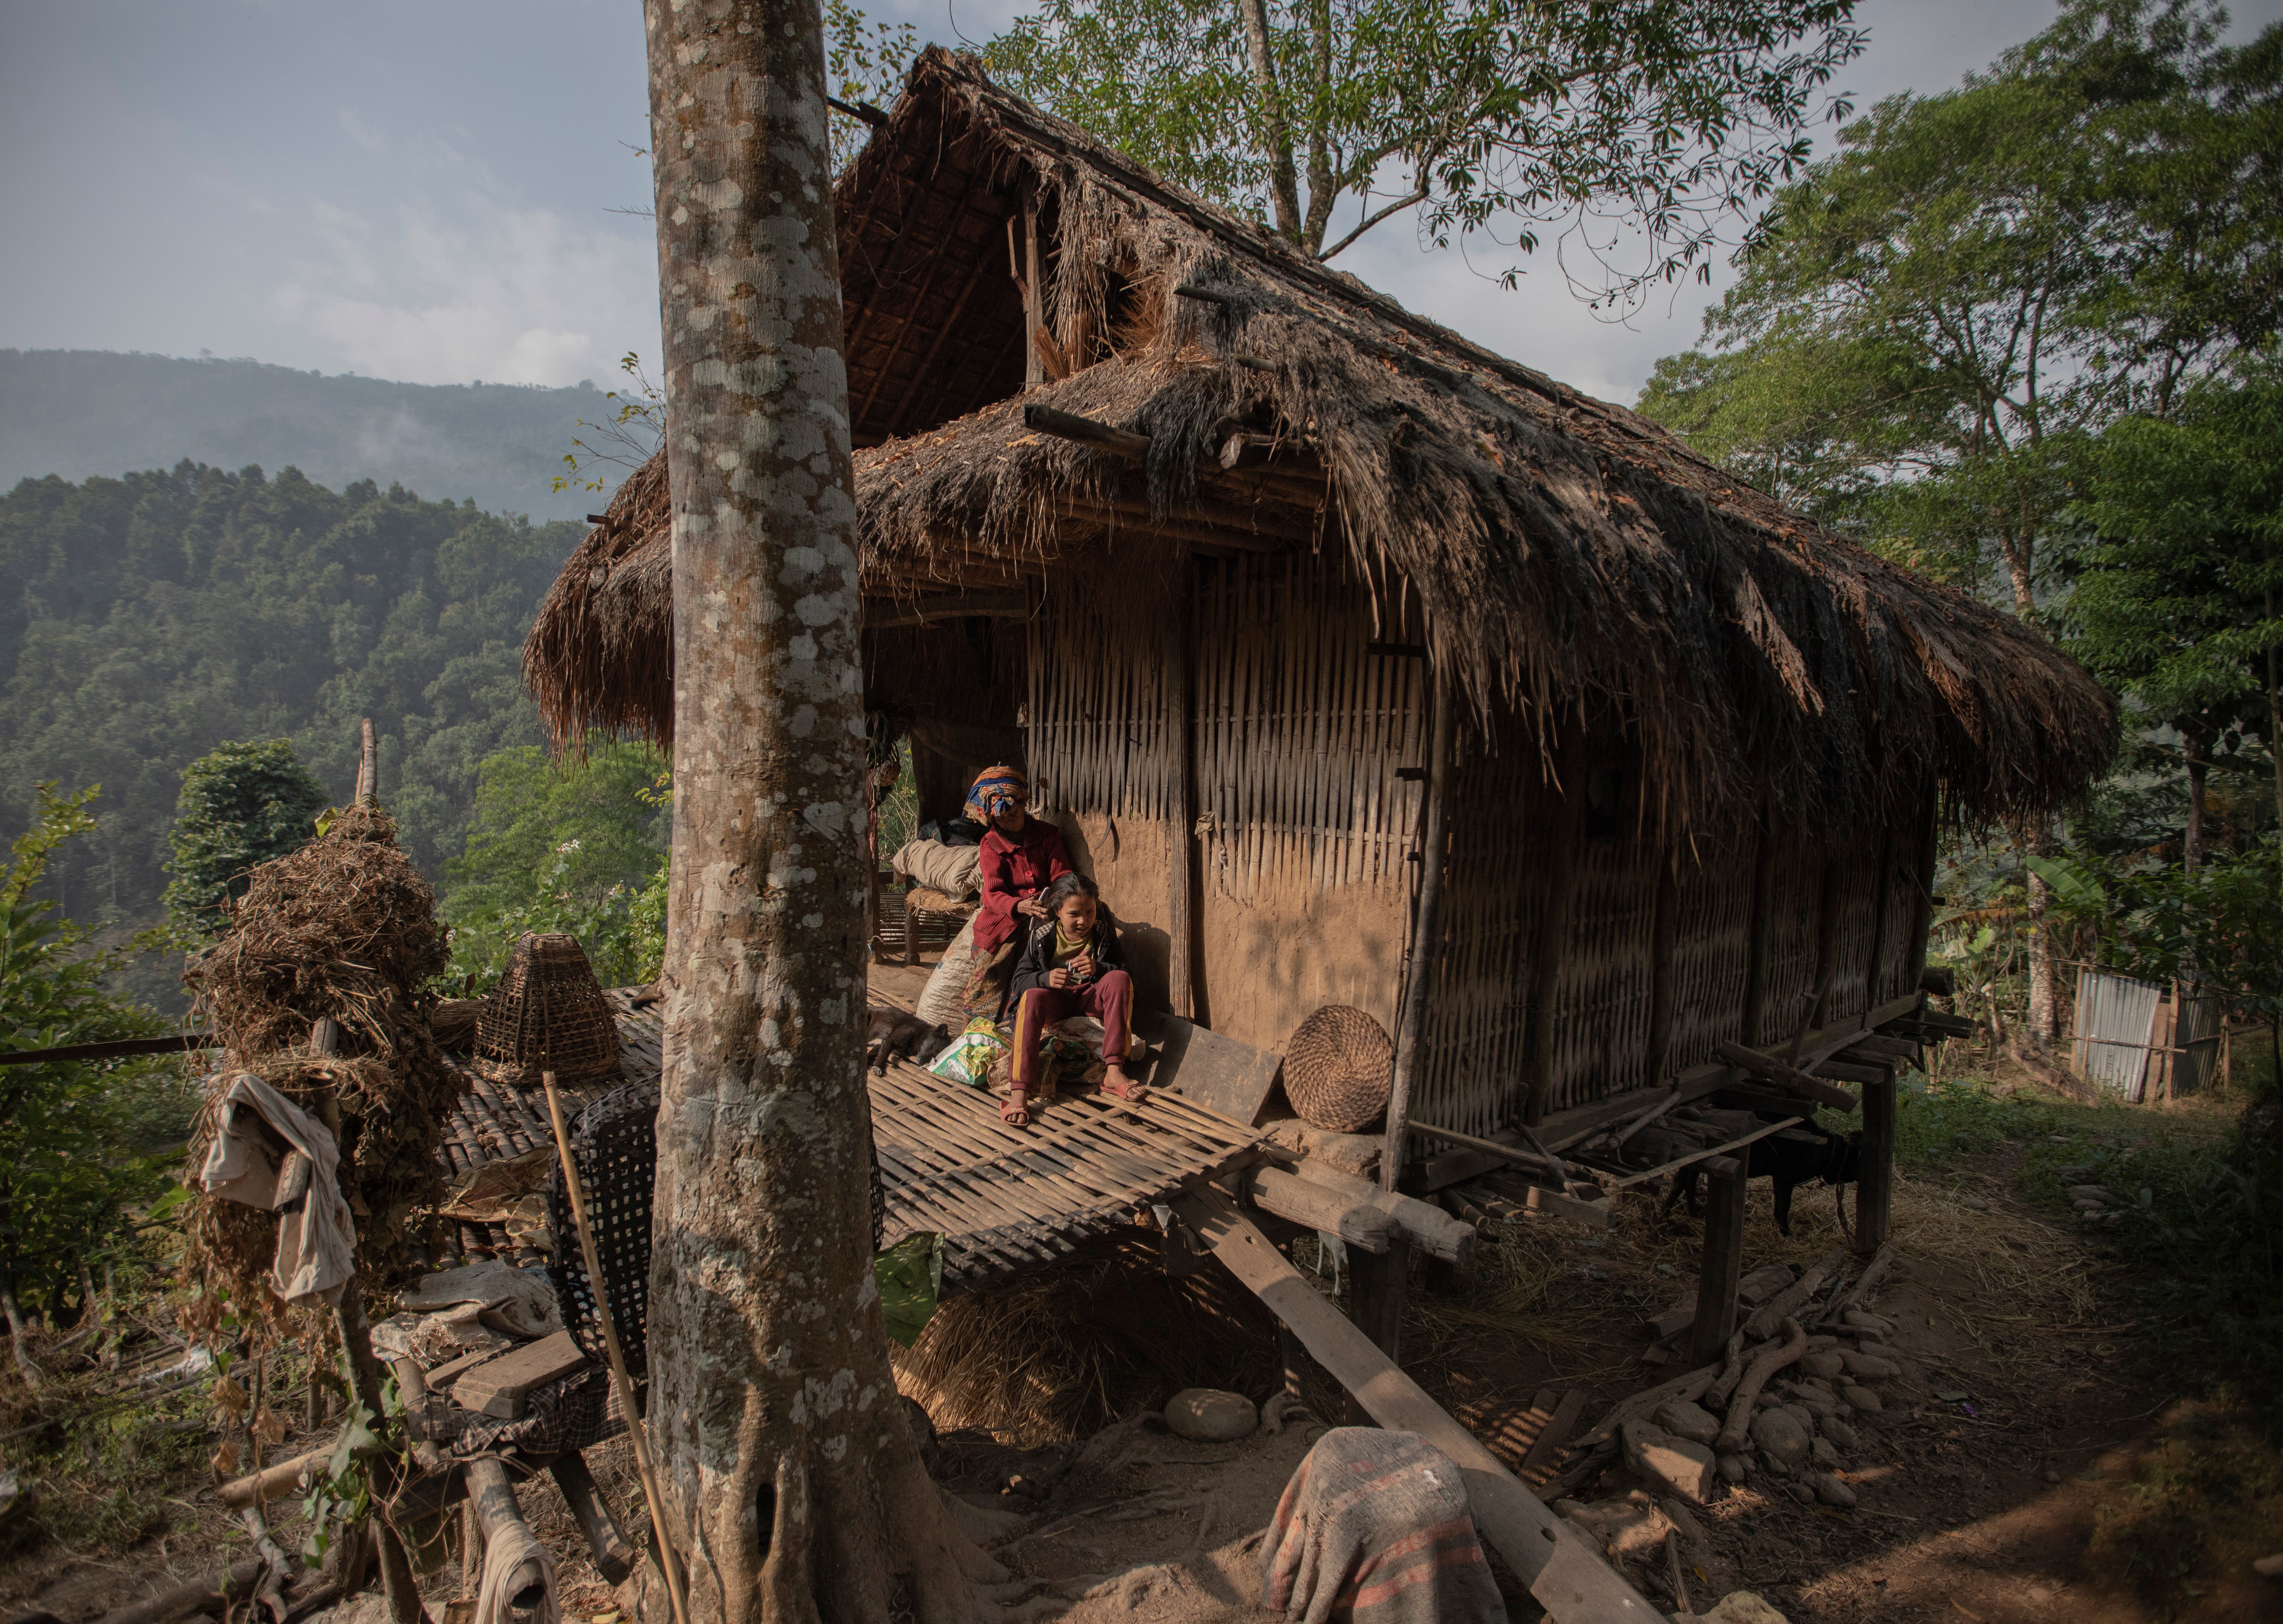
x=1376 y=1283
x=1664 y=936
x=1182 y=978
x=1426 y=925
x=1874 y=1188
x=1553 y=937
x=1724 y=1261
x=1757 y=967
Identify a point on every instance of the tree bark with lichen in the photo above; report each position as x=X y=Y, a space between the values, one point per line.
x=792 y=1484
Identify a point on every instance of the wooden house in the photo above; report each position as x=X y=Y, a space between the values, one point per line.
x=1260 y=575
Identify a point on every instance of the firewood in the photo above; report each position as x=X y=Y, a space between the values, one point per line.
x=1764 y=1364
x=1763 y=1323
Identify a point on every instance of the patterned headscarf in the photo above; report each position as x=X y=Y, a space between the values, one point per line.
x=995 y=789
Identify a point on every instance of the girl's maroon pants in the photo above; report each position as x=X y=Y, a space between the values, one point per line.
x=1108 y=998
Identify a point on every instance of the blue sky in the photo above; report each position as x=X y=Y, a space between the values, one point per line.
x=425 y=191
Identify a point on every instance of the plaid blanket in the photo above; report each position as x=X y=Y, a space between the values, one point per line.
x=1374 y=1528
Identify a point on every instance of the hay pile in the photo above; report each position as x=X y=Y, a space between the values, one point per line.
x=1064 y=1351
x=343 y=929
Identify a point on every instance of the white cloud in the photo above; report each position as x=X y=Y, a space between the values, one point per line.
x=519 y=297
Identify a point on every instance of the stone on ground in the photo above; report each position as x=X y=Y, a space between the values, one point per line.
x=1823 y=1362
x=1780 y=1433
x=1862 y=1399
x=1684 y=1419
x=1841 y=1433
x=1207 y=1415
x=1741 y=1607
x=1686 y=1467
x=1830 y=1490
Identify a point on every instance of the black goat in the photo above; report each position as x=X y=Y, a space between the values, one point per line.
x=1801 y=1154
x=894 y=1035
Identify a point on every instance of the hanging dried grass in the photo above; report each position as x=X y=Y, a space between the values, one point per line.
x=344 y=929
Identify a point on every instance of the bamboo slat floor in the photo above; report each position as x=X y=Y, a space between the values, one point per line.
x=1005 y=1199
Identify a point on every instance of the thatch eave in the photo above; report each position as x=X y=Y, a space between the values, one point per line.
x=1572 y=556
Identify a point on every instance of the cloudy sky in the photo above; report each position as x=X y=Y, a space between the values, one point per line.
x=426 y=190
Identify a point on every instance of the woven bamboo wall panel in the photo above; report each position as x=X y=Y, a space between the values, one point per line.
x=1857 y=875
x=1100 y=738
x=1300 y=731
x=1795 y=897
x=1601 y=1035
x=1712 y=952
x=1905 y=894
x=1470 y=1076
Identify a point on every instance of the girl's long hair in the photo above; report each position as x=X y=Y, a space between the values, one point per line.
x=1071 y=885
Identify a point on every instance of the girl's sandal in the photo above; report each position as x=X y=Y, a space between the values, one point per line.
x=1012 y=1110
x=1132 y=1092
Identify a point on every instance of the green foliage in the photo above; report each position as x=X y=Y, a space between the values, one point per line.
x=1932 y=323
x=577 y=847
x=153 y=617
x=864 y=63
x=2176 y=576
x=2206 y=1499
x=75 y=1140
x=242 y=804
x=1491 y=118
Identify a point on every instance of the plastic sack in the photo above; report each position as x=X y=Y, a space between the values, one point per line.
x=968 y=1058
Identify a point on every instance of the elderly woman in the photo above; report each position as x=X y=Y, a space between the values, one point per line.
x=1022 y=856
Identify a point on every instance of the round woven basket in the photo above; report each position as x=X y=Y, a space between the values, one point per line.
x=548 y=1013
x=1338 y=1068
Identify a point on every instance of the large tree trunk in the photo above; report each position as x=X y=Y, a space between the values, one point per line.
x=792 y=1483
x=1284 y=183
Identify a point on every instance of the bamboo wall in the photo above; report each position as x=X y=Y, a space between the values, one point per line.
x=1303 y=835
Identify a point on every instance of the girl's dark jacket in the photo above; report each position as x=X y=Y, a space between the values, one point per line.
x=1038 y=959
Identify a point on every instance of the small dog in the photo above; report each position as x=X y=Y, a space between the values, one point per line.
x=1801 y=1154
x=894 y=1035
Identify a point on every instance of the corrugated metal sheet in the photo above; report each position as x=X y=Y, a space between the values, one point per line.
x=2116 y=1017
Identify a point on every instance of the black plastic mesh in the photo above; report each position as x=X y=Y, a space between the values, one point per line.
x=615 y=1146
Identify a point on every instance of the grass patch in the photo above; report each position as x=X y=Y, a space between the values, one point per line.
x=2199 y=1224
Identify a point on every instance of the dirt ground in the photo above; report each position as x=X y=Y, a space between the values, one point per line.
x=1999 y=1506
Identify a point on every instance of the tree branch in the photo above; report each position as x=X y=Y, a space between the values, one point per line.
x=1396 y=207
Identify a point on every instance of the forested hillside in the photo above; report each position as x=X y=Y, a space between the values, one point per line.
x=150 y=618
x=83 y=413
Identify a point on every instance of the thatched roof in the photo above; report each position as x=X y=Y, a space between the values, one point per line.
x=1570 y=556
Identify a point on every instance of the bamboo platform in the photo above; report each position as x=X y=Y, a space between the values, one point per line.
x=1005 y=1199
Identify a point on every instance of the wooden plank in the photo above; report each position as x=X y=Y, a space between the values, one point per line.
x=1679 y=1162
x=1538 y=1465
x=499 y=1386
x=1316 y=1206
x=1228 y=1078
x=1723 y=1268
x=1786 y=1076
x=1566 y=1575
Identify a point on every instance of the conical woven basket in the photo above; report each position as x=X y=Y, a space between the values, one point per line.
x=1338 y=1069
x=548 y=1013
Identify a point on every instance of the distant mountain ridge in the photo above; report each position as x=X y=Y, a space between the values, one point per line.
x=77 y=413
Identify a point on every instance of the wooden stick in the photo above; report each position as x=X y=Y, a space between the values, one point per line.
x=368 y=784
x=1426 y=928
x=1714 y=1319
x=1492 y=1147
x=1786 y=1076
x=1646 y=1117
x=667 y=1559
x=1814 y=1010
x=1794 y=1297
x=1679 y=1162
x=1872 y=1273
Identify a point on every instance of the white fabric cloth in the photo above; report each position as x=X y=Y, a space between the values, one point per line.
x=947 y=983
x=518 y=1302
x=504 y=1555
x=956 y=870
x=316 y=1237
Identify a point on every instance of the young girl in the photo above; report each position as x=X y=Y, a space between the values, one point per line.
x=1071 y=965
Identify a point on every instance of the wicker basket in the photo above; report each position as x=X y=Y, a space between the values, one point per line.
x=1338 y=1068
x=548 y=1013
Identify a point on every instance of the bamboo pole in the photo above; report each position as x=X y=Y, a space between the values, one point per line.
x=368 y=784
x=624 y=1387
x=1181 y=885
x=1426 y=931
x=1661 y=987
